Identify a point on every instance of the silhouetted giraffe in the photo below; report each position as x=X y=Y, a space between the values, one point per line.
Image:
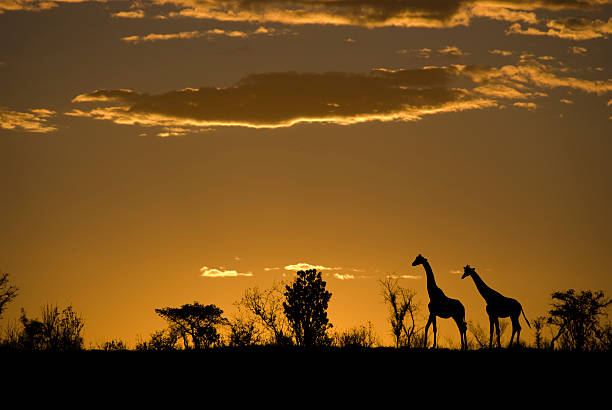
x=497 y=306
x=441 y=305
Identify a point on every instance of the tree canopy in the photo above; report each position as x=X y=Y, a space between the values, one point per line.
x=195 y=322
x=577 y=317
x=305 y=307
x=7 y=292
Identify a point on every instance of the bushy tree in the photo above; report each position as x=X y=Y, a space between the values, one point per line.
x=305 y=307
x=7 y=292
x=243 y=332
x=359 y=336
x=161 y=340
x=576 y=316
x=57 y=331
x=113 y=345
x=195 y=322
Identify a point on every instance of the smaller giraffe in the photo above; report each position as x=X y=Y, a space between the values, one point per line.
x=497 y=306
x=441 y=305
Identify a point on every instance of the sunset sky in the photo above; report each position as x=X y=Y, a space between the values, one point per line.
x=155 y=153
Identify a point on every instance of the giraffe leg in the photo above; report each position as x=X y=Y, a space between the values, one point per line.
x=490 y=332
x=460 y=325
x=516 y=328
x=435 y=330
x=426 y=329
x=497 y=332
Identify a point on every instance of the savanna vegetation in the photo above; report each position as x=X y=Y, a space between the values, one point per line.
x=295 y=315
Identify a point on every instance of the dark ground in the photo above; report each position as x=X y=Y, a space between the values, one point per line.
x=525 y=377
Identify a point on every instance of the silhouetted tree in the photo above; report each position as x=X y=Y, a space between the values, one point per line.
x=479 y=334
x=113 y=345
x=7 y=292
x=161 y=340
x=196 y=322
x=58 y=331
x=243 y=332
x=359 y=336
x=267 y=308
x=538 y=325
x=577 y=316
x=402 y=309
x=305 y=307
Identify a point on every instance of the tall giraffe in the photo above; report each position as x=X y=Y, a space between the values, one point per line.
x=497 y=306
x=441 y=305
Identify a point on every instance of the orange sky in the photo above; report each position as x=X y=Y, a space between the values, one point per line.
x=145 y=143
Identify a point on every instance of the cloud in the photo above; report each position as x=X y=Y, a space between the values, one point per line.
x=578 y=50
x=452 y=51
x=271 y=100
x=571 y=28
x=527 y=105
x=373 y=13
x=184 y=35
x=308 y=266
x=502 y=91
x=221 y=272
x=504 y=53
x=448 y=51
x=133 y=14
x=35 y=120
x=498 y=12
x=534 y=74
x=566 y=101
x=413 y=277
x=341 y=276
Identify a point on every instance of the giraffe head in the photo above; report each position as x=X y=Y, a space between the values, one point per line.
x=419 y=260
x=467 y=271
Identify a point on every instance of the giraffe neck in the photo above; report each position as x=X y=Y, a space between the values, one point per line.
x=486 y=292
x=432 y=288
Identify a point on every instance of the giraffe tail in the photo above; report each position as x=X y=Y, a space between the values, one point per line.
x=525 y=317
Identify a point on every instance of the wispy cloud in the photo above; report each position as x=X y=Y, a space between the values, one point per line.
x=578 y=50
x=373 y=13
x=221 y=272
x=412 y=277
x=308 y=266
x=504 y=53
x=34 y=120
x=132 y=14
x=535 y=75
x=571 y=28
x=447 y=51
x=184 y=35
x=342 y=276
x=453 y=51
x=527 y=105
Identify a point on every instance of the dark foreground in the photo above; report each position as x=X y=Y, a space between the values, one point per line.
x=525 y=375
